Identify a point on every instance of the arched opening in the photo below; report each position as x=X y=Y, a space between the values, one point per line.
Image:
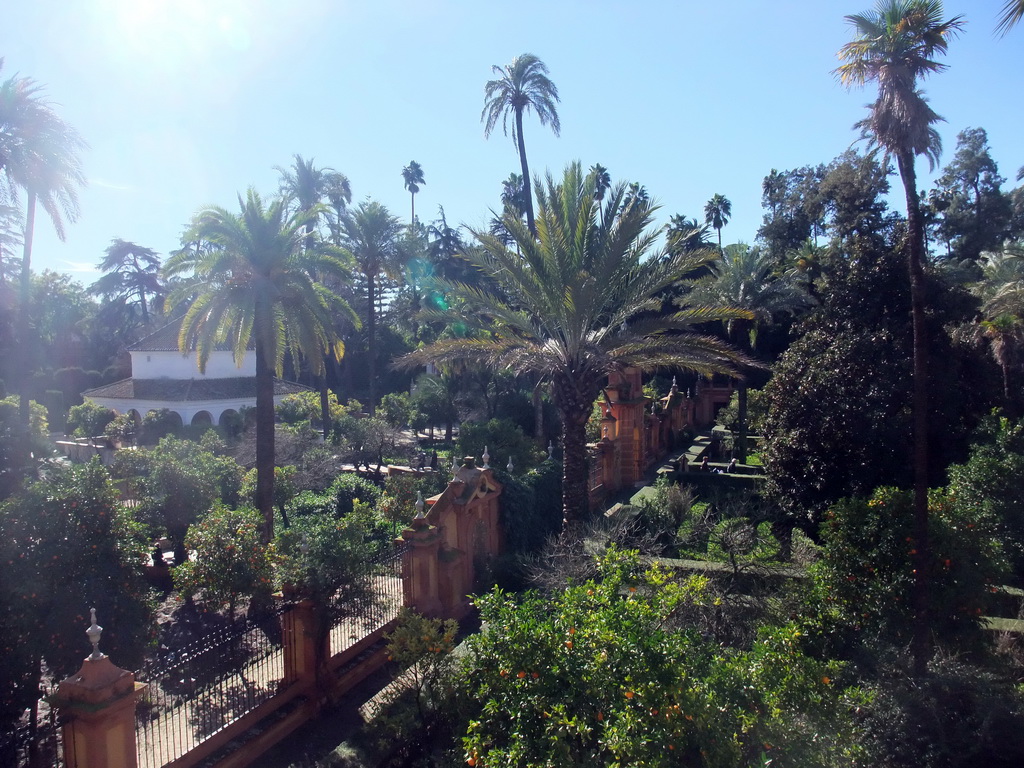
x=231 y=422
x=202 y=419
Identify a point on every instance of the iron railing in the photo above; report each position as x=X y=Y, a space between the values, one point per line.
x=35 y=744
x=379 y=604
x=196 y=691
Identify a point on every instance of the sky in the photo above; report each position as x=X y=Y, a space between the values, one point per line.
x=186 y=103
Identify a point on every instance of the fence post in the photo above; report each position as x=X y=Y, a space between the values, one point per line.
x=419 y=567
x=299 y=638
x=99 y=704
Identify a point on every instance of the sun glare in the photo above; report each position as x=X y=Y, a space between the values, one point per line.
x=173 y=36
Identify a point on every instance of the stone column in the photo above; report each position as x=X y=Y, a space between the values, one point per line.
x=99 y=702
x=299 y=636
x=419 y=567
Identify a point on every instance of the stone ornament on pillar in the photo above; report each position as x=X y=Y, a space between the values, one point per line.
x=99 y=704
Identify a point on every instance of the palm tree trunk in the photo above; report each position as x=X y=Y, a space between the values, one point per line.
x=527 y=187
x=575 y=478
x=264 y=437
x=325 y=405
x=538 y=413
x=741 y=443
x=921 y=557
x=23 y=328
x=412 y=213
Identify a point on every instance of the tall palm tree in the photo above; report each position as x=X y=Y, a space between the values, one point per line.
x=717 y=211
x=412 y=174
x=743 y=278
x=371 y=234
x=252 y=284
x=602 y=179
x=576 y=303
x=895 y=45
x=38 y=155
x=305 y=187
x=522 y=85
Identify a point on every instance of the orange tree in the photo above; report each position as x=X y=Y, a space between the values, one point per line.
x=614 y=672
x=67 y=545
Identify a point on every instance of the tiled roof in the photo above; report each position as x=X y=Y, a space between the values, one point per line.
x=186 y=390
x=165 y=339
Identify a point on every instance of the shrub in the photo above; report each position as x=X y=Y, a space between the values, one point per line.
x=157 y=425
x=89 y=419
x=603 y=674
x=230 y=561
x=502 y=439
x=348 y=487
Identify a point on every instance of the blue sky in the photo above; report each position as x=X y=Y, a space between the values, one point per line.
x=187 y=102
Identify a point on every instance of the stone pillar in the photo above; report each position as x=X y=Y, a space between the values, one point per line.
x=419 y=567
x=299 y=639
x=99 y=702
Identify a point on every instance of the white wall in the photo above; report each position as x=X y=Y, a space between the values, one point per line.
x=174 y=365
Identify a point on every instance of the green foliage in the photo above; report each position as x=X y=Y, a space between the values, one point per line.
x=230 y=562
x=531 y=507
x=180 y=482
x=992 y=481
x=757 y=412
x=347 y=488
x=284 y=487
x=305 y=406
x=395 y=409
x=603 y=674
x=11 y=435
x=120 y=427
x=88 y=419
x=157 y=425
x=860 y=588
x=502 y=439
x=420 y=646
x=397 y=504
x=66 y=546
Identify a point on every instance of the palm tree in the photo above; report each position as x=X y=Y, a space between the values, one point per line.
x=602 y=179
x=743 y=278
x=412 y=174
x=717 y=211
x=1012 y=13
x=129 y=270
x=371 y=234
x=580 y=302
x=521 y=86
x=38 y=154
x=252 y=284
x=895 y=45
x=686 y=234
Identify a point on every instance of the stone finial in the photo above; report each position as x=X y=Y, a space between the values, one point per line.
x=94 y=632
x=551 y=449
x=487 y=458
x=420 y=505
x=509 y=466
x=455 y=465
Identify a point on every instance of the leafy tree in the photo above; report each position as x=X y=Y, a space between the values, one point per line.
x=420 y=646
x=522 y=85
x=49 y=586
x=254 y=282
x=575 y=304
x=412 y=175
x=88 y=419
x=975 y=213
x=230 y=561
x=12 y=439
x=38 y=155
x=687 y=235
x=437 y=398
x=129 y=270
x=717 y=211
x=895 y=45
x=395 y=409
x=609 y=672
x=991 y=482
x=371 y=234
x=862 y=585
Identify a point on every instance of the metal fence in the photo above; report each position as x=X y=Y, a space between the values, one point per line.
x=377 y=606
x=197 y=690
x=34 y=744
